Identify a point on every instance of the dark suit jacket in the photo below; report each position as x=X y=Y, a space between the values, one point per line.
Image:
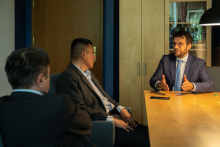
x=51 y=120
x=73 y=83
x=195 y=72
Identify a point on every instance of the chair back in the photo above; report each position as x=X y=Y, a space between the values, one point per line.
x=1 y=141
x=214 y=72
x=53 y=83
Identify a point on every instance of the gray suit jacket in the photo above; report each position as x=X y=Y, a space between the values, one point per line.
x=195 y=72
x=73 y=83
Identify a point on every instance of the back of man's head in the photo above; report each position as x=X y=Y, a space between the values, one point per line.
x=78 y=45
x=24 y=65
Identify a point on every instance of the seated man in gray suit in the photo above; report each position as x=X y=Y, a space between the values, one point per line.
x=78 y=82
x=30 y=116
x=182 y=71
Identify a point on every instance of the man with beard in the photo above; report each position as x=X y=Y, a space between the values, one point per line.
x=181 y=71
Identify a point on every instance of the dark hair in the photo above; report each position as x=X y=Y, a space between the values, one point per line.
x=182 y=33
x=24 y=65
x=77 y=47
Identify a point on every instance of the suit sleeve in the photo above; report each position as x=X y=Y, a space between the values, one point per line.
x=157 y=76
x=77 y=121
x=68 y=85
x=205 y=83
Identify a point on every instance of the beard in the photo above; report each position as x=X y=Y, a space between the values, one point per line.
x=181 y=53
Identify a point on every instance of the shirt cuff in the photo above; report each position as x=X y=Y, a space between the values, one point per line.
x=120 y=107
x=194 y=89
x=109 y=118
x=156 y=85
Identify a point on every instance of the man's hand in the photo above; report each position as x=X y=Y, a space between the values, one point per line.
x=187 y=85
x=162 y=84
x=122 y=124
x=127 y=117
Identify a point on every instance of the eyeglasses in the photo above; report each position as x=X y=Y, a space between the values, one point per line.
x=178 y=44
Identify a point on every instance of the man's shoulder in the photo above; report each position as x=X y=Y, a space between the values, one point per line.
x=55 y=96
x=69 y=72
x=2 y=98
x=46 y=99
x=168 y=57
x=196 y=59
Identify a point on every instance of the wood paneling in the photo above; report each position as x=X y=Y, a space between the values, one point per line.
x=141 y=41
x=56 y=23
x=130 y=55
x=167 y=27
x=152 y=42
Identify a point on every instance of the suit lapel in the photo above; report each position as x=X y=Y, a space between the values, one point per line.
x=84 y=79
x=96 y=82
x=173 y=68
x=188 y=66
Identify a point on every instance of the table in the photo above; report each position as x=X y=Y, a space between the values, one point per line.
x=186 y=120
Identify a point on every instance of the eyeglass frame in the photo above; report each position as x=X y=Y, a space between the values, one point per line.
x=178 y=44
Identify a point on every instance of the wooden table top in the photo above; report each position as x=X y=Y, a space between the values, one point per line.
x=186 y=120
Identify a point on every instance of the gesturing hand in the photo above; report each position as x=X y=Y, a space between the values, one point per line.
x=122 y=124
x=127 y=117
x=187 y=85
x=162 y=84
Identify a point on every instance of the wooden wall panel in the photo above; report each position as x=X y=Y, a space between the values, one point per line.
x=152 y=42
x=56 y=23
x=130 y=55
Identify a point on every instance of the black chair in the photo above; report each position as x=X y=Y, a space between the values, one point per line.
x=103 y=132
x=214 y=72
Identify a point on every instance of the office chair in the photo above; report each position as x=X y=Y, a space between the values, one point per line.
x=214 y=72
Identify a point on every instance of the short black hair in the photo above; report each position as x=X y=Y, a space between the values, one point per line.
x=189 y=39
x=77 y=47
x=24 y=65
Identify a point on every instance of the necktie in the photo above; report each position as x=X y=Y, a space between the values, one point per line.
x=177 y=86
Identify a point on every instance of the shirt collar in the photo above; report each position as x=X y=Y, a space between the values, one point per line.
x=183 y=59
x=87 y=73
x=29 y=90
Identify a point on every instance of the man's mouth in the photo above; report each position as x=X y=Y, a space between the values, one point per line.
x=176 y=51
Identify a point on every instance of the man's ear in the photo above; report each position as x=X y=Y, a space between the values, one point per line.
x=39 y=80
x=83 y=54
x=189 y=46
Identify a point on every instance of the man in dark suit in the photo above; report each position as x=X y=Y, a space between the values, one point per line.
x=78 y=82
x=30 y=116
x=182 y=71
